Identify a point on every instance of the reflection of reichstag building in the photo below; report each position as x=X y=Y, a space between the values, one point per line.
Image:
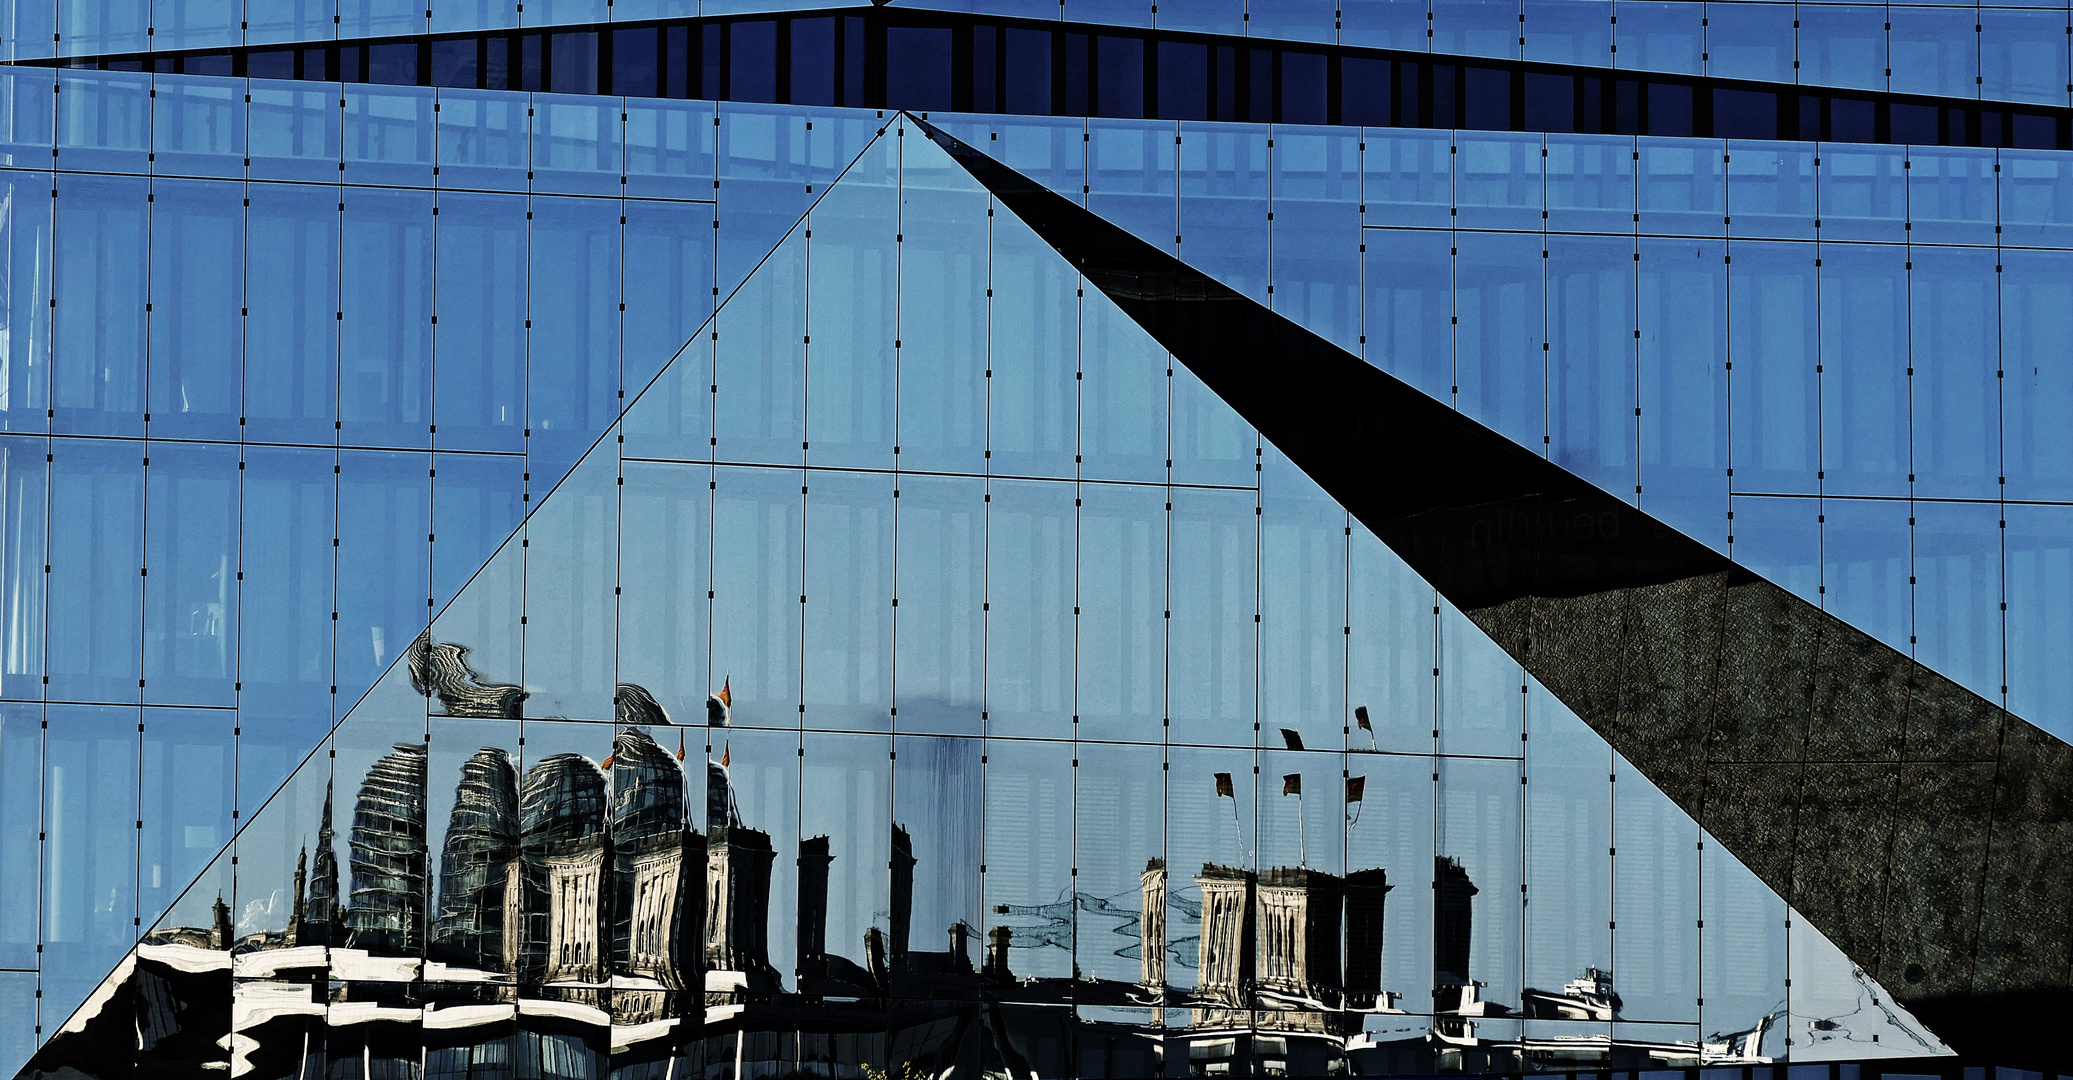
x=588 y=916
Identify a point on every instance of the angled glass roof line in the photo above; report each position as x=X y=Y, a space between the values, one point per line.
x=460 y=677
x=1875 y=795
x=924 y=61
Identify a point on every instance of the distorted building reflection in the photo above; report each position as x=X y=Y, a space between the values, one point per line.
x=601 y=893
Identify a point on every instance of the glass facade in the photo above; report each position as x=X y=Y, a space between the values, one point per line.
x=1039 y=639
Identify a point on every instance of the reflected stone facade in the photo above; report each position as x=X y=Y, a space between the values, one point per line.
x=388 y=861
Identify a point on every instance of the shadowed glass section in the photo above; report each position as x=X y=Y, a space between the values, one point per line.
x=1690 y=666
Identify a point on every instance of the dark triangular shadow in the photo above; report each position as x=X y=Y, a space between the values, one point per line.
x=1924 y=830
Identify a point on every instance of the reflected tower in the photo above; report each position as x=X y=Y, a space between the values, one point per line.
x=1453 y=922
x=481 y=842
x=556 y=931
x=388 y=855
x=322 y=915
x=658 y=865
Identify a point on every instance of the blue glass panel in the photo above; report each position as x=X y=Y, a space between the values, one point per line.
x=1957 y=574
x=1590 y=184
x=1033 y=413
x=198 y=126
x=1660 y=36
x=1750 y=41
x=383 y=565
x=2036 y=199
x=385 y=318
x=452 y=15
x=2036 y=335
x=479 y=379
x=938 y=806
x=1773 y=323
x=1934 y=50
x=1120 y=815
x=851 y=780
x=284 y=660
x=96 y=539
x=760 y=363
x=378 y=18
x=291 y=293
x=577 y=145
x=1314 y=273
x=1393 y=831
x=1028 y=880
x=1031 y=547
x=1410 y=305
x=943 y=280
x=571 y=569
x=572 y=390
x=186 y=796
x=99 y=332
x=669 y=149
x=1409 y=179
x=1122 y=396
x=1122 y=595
x=1683 y=287
x=1951 y=195
x=1655 y=901
x=476 y=503
x=1741 y=947
x=849 y=613
x=1133 y=169
x=1842 y=45
x=25 y=304
x=1211 y=17
x=665 y=538
x=1953 y=324
x=1780 y=538
x=1864 y=357
x=1476 y=27
x=562 y=12
x=18 y=1035
x=671 y=296
x=1479 y=707
x=1303 y=615
x=1500 y=366
x=1213 y=638
x=389 y=137
x=1497 y=181
x=21 y=789
x=88 y=27
x=673 y=417
x=197 y=309
x=28 y=109
x=297 y=20
x=1863 y=192
x=197 y=24
x=482 y=140
x=648 y=9
x=1681 y=186
x=940 y=668
x=756 y=585
x=191 y=599
x=1771 y=190
x=1224 y=204
x=1591 y=366
x=296 y=131
x=1389 y=661
x=853 y=288
x=28 y=29
x=1385 y=24
x=1569 y=844
x=482 y=617
x=2022 y=55
x=23 y=503
x=761 y=183
x=1864 y=567
x=2040 y=615
x=1209 y=442
x=90 y=854
x=1477 y=824
x=1570 y=33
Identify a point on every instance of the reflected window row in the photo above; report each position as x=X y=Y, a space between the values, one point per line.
x=919 y=61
